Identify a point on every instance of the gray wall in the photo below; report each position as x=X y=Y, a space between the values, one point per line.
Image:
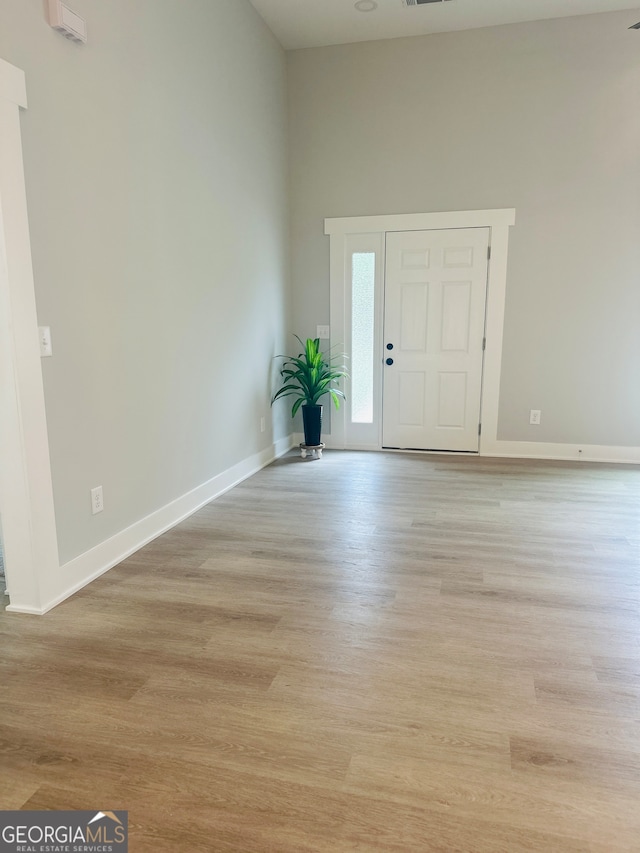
x=543 y=117
x=156 y=169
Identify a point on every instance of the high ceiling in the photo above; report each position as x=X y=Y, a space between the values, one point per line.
x=313 y=23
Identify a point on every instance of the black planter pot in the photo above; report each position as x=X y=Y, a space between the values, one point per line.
x=312 y=420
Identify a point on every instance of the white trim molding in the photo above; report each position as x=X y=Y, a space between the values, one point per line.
x=598 y=453
x=29 y=530
x=500 y=217
x=13 y=86
x=80 y=571
x=498 y=221
x=566 y=452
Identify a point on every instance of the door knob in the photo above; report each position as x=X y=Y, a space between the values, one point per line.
x=389 y=361
x=389 y=346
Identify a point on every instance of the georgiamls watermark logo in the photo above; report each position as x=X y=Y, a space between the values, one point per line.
x=63 y=832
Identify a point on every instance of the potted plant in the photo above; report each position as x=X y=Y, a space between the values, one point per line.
x=308 y=377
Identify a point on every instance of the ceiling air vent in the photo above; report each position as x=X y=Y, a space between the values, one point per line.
x=421 y=2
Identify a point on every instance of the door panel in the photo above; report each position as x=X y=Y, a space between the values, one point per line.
x=413 y=309
x=456 y=316
x=411 y=401
x=451 y=409
x=435 y=297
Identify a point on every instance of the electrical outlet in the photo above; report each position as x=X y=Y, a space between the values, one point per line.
x=263 y=425
x=44 y=334
x=534 y=416
x=97 y=504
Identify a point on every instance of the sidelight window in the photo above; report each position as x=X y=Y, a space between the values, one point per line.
x=363 y=280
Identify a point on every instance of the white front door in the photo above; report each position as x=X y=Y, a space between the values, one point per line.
x=434 y=318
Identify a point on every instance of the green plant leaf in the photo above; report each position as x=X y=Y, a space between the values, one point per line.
x=310 y=375
x=296 y=406
x=335 y=395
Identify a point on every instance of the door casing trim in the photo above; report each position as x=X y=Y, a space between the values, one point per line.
x=25 y=471
x=498 y=221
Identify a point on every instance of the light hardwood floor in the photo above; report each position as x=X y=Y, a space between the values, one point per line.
x=367 y=652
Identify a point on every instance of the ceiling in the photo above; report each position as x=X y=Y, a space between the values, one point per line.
x=314 y=23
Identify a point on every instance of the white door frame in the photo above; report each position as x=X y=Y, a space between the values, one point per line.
x=498 y=221
x=26 y=496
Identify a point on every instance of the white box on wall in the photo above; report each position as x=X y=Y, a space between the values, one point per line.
x=67 y=22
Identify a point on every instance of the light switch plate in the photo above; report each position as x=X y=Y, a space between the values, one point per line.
x=323 y=332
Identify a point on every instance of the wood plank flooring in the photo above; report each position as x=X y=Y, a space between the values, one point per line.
x=367 y=652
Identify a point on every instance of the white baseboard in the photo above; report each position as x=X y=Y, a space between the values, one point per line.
x=529 y=450
x=563 y=452
x=85 y=568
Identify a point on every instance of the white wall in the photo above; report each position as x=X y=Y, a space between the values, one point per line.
x=542 y=117
x=155 y=160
